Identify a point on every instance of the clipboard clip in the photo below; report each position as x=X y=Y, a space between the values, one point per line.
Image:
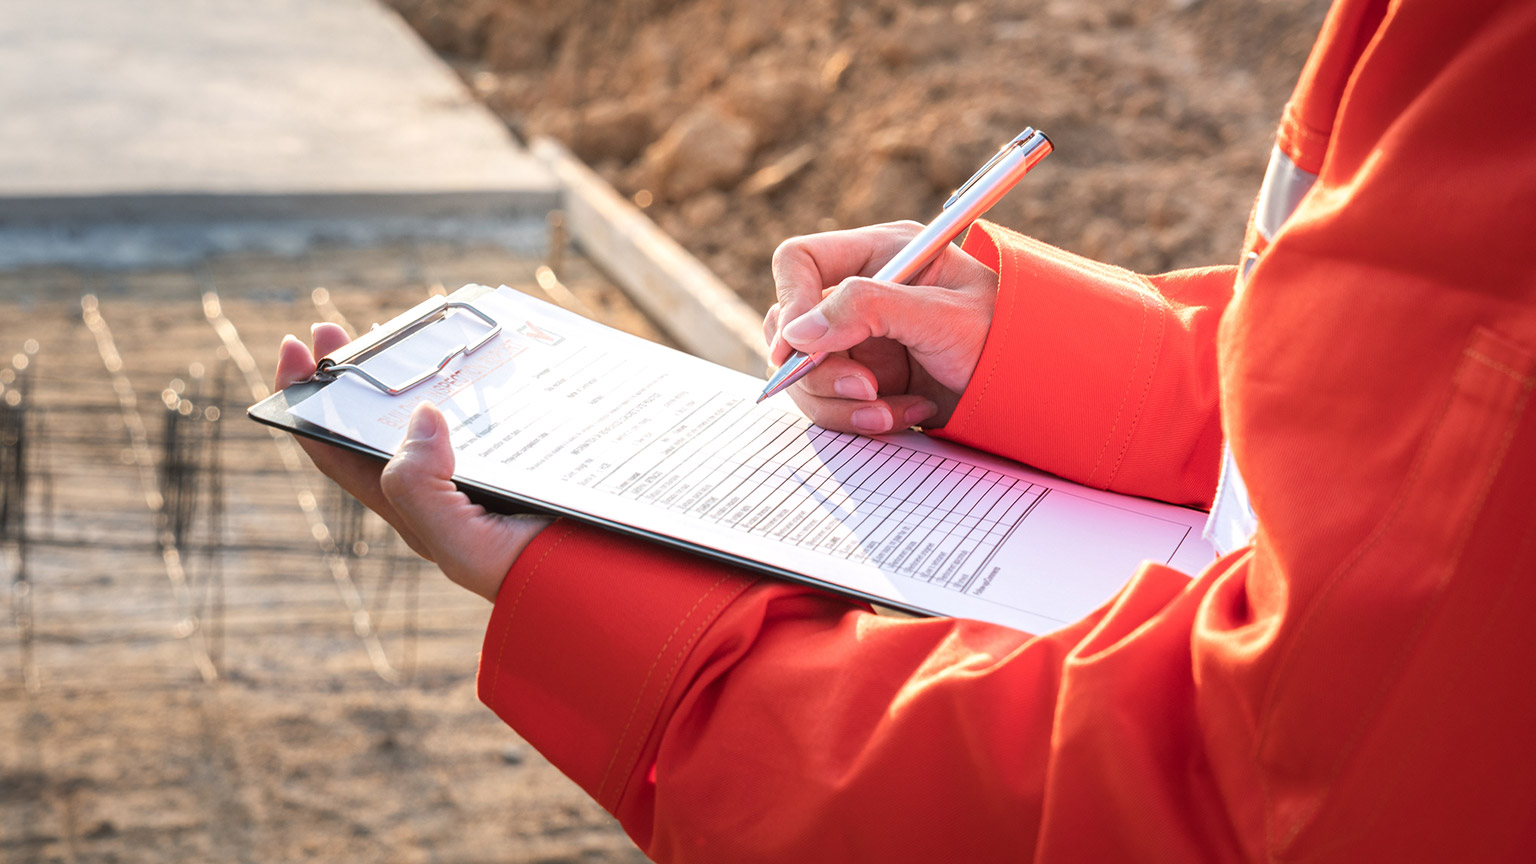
x=349 y=357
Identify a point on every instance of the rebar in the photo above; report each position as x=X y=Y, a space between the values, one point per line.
x=192 y=489
x=15 y=434
x=140 y=454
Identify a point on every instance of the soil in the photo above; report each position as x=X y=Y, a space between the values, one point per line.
x=318 y=738
x=738 y=124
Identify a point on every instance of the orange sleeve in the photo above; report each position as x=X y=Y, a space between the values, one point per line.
x=1353 y=687
x=723 y=718
x=1097 y=374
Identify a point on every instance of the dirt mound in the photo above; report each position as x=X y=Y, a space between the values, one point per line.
x=739 y=123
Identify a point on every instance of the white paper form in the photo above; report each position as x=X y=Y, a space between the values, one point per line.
x=590 y=420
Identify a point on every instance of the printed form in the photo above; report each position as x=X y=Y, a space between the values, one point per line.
x=588 y=420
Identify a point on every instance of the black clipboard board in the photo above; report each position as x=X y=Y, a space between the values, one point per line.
x=277 y=411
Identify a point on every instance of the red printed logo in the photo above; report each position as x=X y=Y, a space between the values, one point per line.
x=538 y=334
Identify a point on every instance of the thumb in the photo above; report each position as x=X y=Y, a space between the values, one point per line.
x=936 y=325
x=472 y=547
x=418 y=481
x=862 y=309
x=943 y=329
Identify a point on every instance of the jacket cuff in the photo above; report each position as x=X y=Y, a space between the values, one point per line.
x=1083 y=360
x=585 y=641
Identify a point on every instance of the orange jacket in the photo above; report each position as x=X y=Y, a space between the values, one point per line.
x=1353 y=686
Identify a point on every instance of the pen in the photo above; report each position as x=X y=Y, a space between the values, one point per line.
x=985 y=188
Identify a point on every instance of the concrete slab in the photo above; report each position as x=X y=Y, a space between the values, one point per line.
x=190 y=110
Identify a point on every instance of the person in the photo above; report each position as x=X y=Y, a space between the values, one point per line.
x=1350 y=682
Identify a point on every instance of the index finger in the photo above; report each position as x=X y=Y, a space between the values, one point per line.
x=295 y=362
x=804 y=267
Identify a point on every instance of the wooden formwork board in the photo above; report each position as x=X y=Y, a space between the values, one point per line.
x=675 y=289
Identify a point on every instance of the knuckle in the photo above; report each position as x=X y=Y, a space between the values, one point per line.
x=790 y=264
x=860 y=295
x=788 y=249
x=902 y=230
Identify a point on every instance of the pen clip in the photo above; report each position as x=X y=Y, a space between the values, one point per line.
x=1018 y=141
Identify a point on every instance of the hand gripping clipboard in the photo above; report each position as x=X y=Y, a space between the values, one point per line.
x=277 y=410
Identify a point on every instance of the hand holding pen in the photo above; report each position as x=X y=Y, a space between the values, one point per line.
x=877 y=355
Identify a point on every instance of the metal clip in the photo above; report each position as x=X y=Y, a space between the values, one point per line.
x=329 y=368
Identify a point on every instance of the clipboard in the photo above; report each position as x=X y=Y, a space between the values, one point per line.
x=1015 y=492
x=277 y=411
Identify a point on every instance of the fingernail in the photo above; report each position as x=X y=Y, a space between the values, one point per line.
x=810 y=326
x=853 y=387
x=920 y=412
x=423 y=425
x=872 y=419
x=289 y=338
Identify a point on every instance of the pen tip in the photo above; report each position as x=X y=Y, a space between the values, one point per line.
x=793 y=369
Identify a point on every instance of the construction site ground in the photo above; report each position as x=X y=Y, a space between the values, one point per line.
x=340 y=721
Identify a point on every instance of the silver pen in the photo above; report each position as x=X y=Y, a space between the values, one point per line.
x=985 y=188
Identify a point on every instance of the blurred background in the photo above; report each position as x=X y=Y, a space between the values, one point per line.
x=209 y=653
x=738 y=124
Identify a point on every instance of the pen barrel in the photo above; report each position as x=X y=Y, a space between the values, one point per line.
x=971 y=203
